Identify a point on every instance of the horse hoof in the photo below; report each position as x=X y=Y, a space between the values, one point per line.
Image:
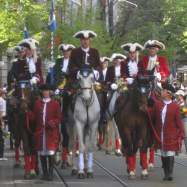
x=107 y=152
x=64 y=165
x=77 y=153
x=27 y=176
x=74 y=172
x=150 y=167
x=118 y=153
x=131 y=175
x=144 y=177
x=81 y=176
x=144 y=174
x=85 y=170
x=17 y=164
x=90 y=175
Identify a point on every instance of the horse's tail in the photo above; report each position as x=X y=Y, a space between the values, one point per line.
x=86 y=127
x=86 y=131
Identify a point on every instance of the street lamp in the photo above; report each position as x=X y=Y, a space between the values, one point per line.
x=129 y=2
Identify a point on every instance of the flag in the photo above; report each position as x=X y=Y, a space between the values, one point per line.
x=25 y=33
x=52 y=25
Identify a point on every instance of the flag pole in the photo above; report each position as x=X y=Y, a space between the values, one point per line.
x=52 y=46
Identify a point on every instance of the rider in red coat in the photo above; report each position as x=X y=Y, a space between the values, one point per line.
x=47 y=116
x=169 y=129
x=153 y=62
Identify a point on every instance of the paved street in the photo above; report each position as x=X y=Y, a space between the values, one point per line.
x=10 y=176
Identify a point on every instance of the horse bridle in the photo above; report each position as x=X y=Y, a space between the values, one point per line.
x=91 y=100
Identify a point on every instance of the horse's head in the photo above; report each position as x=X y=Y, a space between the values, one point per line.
x=26 y=96
x=145 y=84
x=86 y=81
x=141 y=92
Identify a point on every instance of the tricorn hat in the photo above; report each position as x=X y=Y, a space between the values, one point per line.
x=167 y=86
x=118 y=56
x=154 y=43
x=25 y=45
x=132 y=47
x=29 y=43
x=104 y=59
x=65 y=47
x=85 y=34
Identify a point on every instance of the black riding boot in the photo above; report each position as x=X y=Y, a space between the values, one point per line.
x=51 y=167
x=43 y=160
x=164 y=166
x=170 y=168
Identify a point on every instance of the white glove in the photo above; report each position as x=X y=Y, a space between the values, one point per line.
x=114 y=86
x=130 y=80
x=159 y=85
x=158 y=76
x=34 y=80
x=57 y=92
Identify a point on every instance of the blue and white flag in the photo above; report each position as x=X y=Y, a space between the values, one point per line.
x=52 y=25
x=25 y=33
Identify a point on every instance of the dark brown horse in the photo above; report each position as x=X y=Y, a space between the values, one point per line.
x=133 y=123
x=25 y=126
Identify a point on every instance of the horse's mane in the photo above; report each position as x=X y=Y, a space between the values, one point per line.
x=135 y=98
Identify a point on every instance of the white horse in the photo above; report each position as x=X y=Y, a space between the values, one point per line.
x=111 y=125
x=86 y=116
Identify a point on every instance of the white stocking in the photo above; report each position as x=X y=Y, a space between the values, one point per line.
x=81 y=161
x=90 y=161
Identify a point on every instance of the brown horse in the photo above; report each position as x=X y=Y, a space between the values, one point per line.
x=132 y=121
x=25 y=126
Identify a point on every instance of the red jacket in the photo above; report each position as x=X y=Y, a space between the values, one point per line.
x=53 y=119
x=163 y=66
x=173 y=130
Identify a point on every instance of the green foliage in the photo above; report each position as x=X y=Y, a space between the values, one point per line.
x=164 y=20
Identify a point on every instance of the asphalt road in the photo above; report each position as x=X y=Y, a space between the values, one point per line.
x=113 y=175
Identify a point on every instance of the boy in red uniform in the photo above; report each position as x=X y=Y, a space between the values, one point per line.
x=47 y=116
x=169 y=128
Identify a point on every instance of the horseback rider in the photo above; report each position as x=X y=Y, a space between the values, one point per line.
x=58 y=77
x=117 y=69
x=157 y=66
x=84 y=55
x=154 y=62
x=114 y=74
x=131 y=63
x=27 y=74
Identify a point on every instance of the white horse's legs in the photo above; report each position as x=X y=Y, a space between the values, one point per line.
x=90 y=162
x=81 y=162
x=80 y=131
